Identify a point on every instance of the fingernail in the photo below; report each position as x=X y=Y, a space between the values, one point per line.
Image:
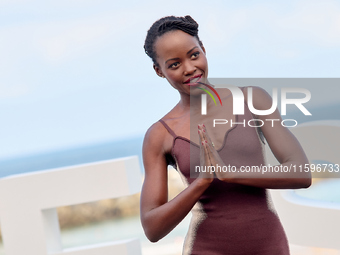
x=203 y=130
x=203 y=125
x=205 y=141
x=202 y=143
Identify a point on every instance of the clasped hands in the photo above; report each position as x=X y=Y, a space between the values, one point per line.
x=209 y=157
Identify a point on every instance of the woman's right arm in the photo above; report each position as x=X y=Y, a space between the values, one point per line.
x=158 y=215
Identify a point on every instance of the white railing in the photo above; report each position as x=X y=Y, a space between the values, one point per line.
x=28 y=217
x=309 y=222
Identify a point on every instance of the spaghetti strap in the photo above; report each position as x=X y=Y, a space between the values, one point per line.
x=168 y=128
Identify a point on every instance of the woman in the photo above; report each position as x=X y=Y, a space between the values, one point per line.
x=231 y=212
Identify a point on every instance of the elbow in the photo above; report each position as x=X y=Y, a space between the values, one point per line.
x=153 y=239
x=152 y=236
x=306 y=183
x=151 y=231
x=303 y=182
x=303 y=179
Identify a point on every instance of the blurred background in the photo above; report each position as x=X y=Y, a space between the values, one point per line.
x=76 y=85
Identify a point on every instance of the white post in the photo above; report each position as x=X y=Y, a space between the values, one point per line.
x=28 y=218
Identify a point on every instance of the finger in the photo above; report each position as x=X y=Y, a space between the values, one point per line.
x=206 y=135
x=204 y=149
x=214 y=157
x=200 y=133
x=205 y=152
x=204 y=139
x=205 y=161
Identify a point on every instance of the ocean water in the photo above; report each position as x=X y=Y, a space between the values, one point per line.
x=73 y=156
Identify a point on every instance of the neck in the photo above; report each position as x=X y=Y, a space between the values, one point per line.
x=190 y=103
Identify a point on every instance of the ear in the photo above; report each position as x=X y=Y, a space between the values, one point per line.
x=203 y=49
x=158 y=71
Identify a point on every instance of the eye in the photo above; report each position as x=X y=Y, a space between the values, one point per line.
x=174 y=65
x=195 y=55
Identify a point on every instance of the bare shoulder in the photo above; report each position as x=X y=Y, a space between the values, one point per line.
x=157 y=137
x=261 y=100
x=154 y=136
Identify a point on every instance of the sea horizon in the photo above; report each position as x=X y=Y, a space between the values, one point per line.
x=120 y=148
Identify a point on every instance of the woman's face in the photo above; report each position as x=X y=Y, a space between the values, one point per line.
x=181 y=60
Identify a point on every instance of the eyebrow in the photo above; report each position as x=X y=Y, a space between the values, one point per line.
x=178 y=58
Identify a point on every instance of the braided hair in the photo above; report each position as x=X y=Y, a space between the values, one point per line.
x=166 y=24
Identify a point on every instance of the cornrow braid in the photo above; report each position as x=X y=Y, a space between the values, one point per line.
x=187 y=24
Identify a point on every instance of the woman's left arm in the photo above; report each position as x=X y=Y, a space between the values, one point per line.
x=285 y=148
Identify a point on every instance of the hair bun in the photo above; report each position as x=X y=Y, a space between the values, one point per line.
x=187 y=24
x=191 y=20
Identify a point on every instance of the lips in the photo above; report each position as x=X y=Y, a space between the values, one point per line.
x=193 y=80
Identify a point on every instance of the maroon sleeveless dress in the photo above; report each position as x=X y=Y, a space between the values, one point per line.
x=230 y=219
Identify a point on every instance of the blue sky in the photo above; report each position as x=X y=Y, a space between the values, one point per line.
x=74 y=73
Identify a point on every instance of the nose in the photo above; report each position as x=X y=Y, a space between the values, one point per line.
x=189 y=68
